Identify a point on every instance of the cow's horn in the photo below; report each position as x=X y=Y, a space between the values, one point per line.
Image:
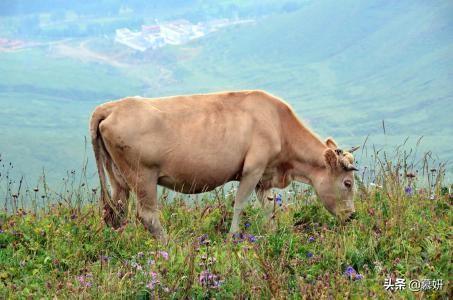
x=353 y=149
x=347 y=165
x=350 y=167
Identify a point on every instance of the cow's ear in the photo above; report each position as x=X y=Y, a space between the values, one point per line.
x=331 y=158
x=331 y=143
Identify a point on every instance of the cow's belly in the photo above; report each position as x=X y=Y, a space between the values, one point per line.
x=187 y=187
x=195 y=179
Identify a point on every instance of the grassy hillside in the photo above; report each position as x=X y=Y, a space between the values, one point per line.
x=63 y=249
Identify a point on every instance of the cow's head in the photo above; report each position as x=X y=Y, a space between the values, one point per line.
x=334 y=184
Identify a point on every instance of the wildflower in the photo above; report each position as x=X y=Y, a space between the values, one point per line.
x=358 y=277
x=252 y=238
x=202 y=239
x=140 y=255
x=351 y=273
x=278 y=200
x=1 y=231
x=163 y=254
x=136 y=266
x=432 y=197
x=311 y=239
x=309 y=255
x=154 y=280
x=410 y=175
x=409 y=191
x=209 y=279
x=247 y=224
x=152 y=284
x=73 y=216
x=150 y=262
x=82 y=279
x=211 y=260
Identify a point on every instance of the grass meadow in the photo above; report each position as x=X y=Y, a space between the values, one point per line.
x=377 y=71
x=54 y=244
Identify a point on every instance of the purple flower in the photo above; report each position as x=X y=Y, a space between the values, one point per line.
x=82 y=279
x=252 y=238
x=150 y=262
x=358 y=277
x=309 y=255
x=209 y=279
x=154 y=280
x=163 y=254
x=202 y=239
x=351 y=273
x=278 y=200
x=241 y=237
x=409 y=191
x=247 y=225
x=311 y=239
x=1 y=231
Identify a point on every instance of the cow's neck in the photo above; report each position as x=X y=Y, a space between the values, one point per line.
x=306 y=153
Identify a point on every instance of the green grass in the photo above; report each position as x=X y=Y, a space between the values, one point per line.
x=59 y=246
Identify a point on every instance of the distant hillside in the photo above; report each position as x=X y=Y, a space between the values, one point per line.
x=345 y=66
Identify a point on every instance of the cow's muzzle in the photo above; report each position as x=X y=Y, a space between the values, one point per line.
x=351 y=217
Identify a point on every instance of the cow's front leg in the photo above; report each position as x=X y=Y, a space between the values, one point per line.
x=248 y=183
x=147 y=207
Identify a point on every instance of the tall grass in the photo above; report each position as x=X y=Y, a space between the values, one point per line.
x=54 y=243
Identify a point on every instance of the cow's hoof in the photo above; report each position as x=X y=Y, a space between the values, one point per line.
x=112 y=221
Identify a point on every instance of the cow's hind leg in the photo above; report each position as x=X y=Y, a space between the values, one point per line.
x=115 y=212
x=147 y=207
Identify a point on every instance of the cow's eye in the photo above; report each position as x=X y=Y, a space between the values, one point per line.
x=348 y=183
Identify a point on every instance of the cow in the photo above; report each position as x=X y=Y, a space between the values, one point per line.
x=195 y=143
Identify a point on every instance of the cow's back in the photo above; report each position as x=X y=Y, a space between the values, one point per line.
x=197 y=142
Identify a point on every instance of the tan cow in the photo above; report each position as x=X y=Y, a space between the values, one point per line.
x=196 y=143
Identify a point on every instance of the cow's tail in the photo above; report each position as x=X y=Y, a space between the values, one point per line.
x=100 y=152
